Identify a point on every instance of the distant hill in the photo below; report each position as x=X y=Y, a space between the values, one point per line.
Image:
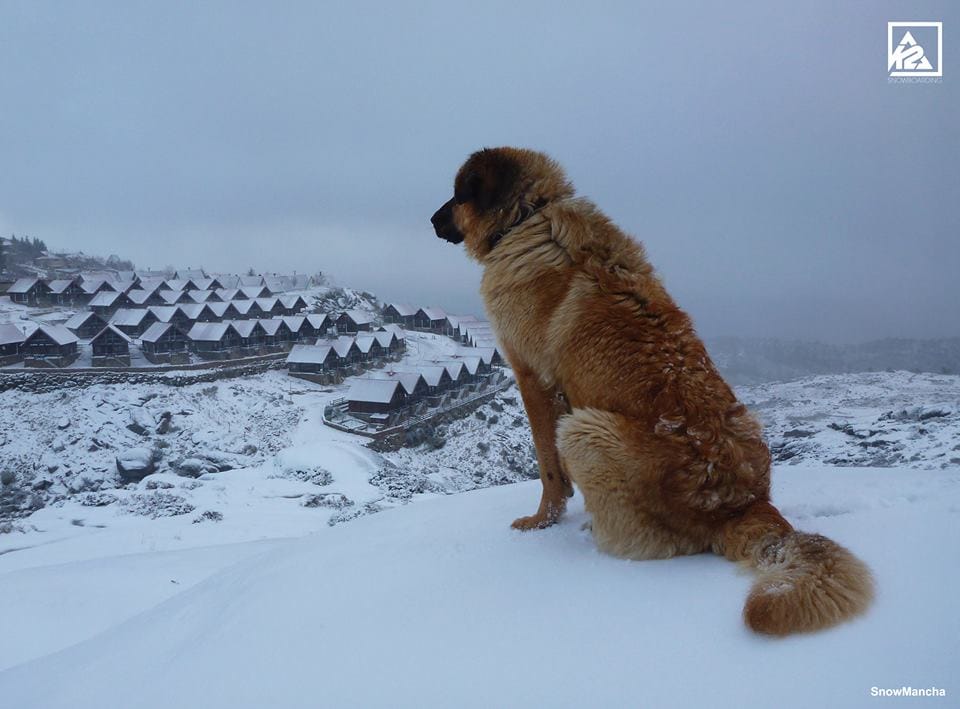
x=753 y=361
x=28 y=256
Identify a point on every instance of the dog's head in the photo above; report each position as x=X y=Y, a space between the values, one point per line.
x=495 y=189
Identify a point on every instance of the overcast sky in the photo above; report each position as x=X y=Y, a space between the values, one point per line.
x=781 y=185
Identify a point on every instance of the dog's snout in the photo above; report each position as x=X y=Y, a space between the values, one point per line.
x=443 y=225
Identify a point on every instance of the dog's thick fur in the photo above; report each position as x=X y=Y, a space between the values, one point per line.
x=623 y=399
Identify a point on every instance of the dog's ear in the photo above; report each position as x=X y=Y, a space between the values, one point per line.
x=487 y=180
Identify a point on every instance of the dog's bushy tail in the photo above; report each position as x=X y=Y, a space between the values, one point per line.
x=806 y=582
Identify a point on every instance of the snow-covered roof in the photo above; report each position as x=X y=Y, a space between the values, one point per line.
x=245 y=328
x=485 y=354
x=309 y=354
x=60 y=285
x=360 y=317
x=138 y=296
x=344 y=346
x=408 y=380
x=129 y=317
x=104 y=298
x=276 y=284
x=226 y=294
x=246 y=281
x=173 y=296
x=200 y=296
x=378 y=391
x=270 y=325
x=433 y=313
x=202 y=283
x=432 y=375
x=218 y=309
x=294 y=322
x=292 y=301
x=110 y=328
x=403 y=309
x=57 y=333
x=394 y=328
x=208 y=331
x=252 y=291
x=23 y=285
x=151 y=284
x=365 y=343
x=386 y=339
x=156 y=331
x=10 y=334
x=192 y=310
x=164 y=313
x=318 y=320
x=266 y=304
x=80 y=319
x=176 y=284
x=186 y=273
x=453 y=367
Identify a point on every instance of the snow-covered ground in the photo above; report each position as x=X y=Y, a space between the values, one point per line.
x=239 y=588
x=441 y=604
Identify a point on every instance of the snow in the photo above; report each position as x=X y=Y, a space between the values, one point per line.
x=440 y=603
x=373 y=390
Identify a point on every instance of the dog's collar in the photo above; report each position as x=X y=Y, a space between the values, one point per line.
x=526 y=211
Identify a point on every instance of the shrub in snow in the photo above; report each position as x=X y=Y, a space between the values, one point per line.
x=208 y=516
x=155 y=484
x=496 y=406
x=157 y=504
x=97 y=499
x=333 y=500
x=480 y=415
x=493 y=420
x=7 y=476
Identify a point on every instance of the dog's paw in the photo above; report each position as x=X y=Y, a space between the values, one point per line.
x=537 y=521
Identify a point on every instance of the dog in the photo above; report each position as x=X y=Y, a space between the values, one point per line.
x=623 y=399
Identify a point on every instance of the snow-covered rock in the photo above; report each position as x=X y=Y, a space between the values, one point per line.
x=135 y=463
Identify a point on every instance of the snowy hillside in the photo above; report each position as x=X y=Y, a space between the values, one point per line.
x=441 y=604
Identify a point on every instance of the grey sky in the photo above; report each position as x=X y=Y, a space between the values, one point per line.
x=781 y=185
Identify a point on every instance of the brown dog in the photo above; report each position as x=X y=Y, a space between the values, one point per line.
x=623 y=399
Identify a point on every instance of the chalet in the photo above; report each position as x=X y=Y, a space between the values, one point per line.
x=375 y=399
x=107 y=302
x=133 y=322
x=400 y=314
x=475 y=368
x=173 y=314
x=270 y=307
x=453 y=324
x=243 y=308
x=294 y=324
x=204 y=283
x=277 y=335
x=164 y=342
x=11 y=343
x=143 y=298
x=190 y=273
x=175 y=297
x=228 y=294
x=111 y=348
x=312 y=359
x=50 y=346
x=251 y=292
x=348 y=352
x=437 y=378
x=219 y=281
x=85 y=324
x=352 y=321
x=490 y=356
x=370 y=349
x=252 y=335
x=392 y=327
x=459 y=374
x=245 y=281
x=199 y=312
x=414 y=385
x=151 y=285
x=175 y=284
x=214 y=340
x=276 y=284
x=316 y=326
x=66 y=291
x=92 y=286
x=29 y=291
x=390 y=343
x=475 y=332
x=429 y=319
x=292 y=304
x=200 y=296
x=219 y=311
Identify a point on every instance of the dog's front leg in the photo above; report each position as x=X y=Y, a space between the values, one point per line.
x=544 y=407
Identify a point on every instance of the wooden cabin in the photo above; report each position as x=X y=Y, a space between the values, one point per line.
x=66 y=291
x=430 y=319
x=414 y=385
x=111 y=348
x=292 y=304
x=400 y=314
x=85 y=324
x=252 y=335
x=295 y=325
x=133 y=322
x=316 y=326
x=175 y=297
x=50 y=346
x=312 y=359
x=11 y=343
x=354 y=321
x=165 y=343
x=270 y=307
x=214 y=340
x=375 y=399
x=348 y=352
x=29 y=291
x=106 y=302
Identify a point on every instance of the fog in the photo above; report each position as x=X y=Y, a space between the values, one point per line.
x=781 y=185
